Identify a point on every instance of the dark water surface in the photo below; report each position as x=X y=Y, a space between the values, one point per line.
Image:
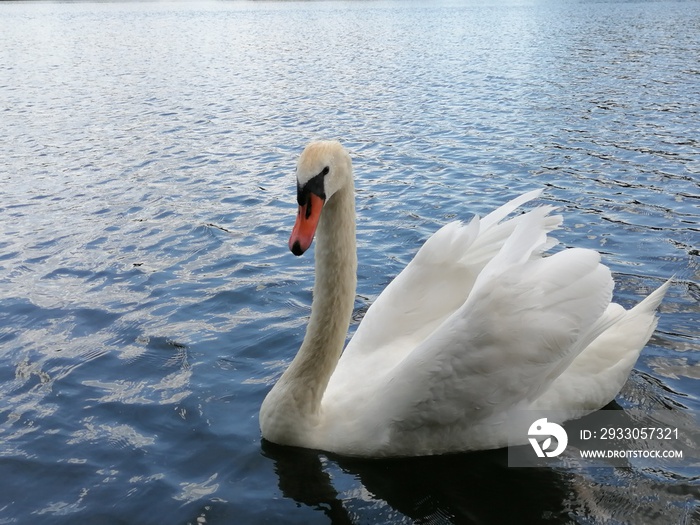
x=148 y=300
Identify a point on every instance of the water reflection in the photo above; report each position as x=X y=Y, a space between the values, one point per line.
x=479 y=487
x=462 y=488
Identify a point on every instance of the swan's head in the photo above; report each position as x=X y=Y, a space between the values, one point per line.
x=324 y=168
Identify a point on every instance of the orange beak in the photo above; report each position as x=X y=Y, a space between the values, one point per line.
x=305 y=225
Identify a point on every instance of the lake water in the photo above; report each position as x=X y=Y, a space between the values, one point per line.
x=148 y=300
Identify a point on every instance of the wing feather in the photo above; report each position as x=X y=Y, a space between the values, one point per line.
x=438 y=280
x=506 y=344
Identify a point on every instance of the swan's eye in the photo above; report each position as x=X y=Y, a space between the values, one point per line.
x=325 y=171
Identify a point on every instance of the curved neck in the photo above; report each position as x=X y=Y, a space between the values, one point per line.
x=300 y=389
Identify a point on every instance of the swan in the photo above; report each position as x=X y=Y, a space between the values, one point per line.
x=479 y=327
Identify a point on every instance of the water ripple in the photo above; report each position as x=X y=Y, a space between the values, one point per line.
x=147 y=298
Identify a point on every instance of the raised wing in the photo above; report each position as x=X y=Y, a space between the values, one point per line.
x=525 y=320
x=436 y=283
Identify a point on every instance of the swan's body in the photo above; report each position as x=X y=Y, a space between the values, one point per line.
x=478 y=328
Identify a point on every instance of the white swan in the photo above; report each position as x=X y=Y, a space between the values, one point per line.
x=479 y=326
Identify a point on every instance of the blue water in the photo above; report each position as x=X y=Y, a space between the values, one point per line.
x=148 y=300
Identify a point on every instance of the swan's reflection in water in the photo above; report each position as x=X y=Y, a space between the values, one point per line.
x=476 y=488
x=479 y=488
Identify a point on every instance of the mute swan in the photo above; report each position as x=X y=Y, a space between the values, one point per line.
x=478 y=326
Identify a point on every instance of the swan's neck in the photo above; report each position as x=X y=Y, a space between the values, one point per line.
x=293 y=405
